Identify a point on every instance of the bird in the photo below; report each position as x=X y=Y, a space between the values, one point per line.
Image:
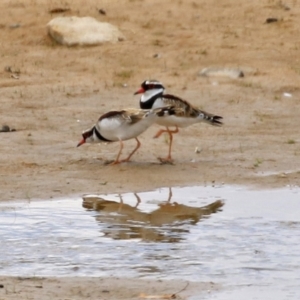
x=184 y=113
x=121 y=125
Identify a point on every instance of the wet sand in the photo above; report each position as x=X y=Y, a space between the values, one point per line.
x=36 y=288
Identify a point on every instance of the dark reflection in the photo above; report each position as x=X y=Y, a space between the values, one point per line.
x=168 y=223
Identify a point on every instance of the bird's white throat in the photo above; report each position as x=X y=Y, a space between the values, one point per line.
x=150 y=94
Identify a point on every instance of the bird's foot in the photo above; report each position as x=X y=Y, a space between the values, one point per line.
x=166 y=161
x=112 y=162
x=157 y=135
x=124 y=160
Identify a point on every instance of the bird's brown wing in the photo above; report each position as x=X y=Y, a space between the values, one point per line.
x=183 y=108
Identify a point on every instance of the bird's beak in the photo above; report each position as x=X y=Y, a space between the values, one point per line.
x=81 y=142
x=140 y=91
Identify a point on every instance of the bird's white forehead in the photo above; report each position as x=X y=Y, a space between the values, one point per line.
x=152 y=82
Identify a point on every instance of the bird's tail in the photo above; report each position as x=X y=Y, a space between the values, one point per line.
x=211 y=119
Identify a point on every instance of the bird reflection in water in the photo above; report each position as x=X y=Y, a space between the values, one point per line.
x=169 y=222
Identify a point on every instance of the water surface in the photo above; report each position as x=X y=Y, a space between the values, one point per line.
x=230 y=235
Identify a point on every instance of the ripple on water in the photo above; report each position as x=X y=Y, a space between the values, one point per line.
x=186 y=233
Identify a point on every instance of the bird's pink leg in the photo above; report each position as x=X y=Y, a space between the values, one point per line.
x=117 y=161
x=161 y=131
x=168 y=159
x=138 y=145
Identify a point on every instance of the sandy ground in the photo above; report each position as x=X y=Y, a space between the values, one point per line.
x=62 y=91
x=99 y=288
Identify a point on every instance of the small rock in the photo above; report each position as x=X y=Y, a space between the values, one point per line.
x=1 y=286
x=15 y=76
x=102 y=11
x=58 y=10
x=271 y=20
x=5 y=128
x=14 y=26
x=10 y=69
x=221 y=72
x=156 y=55
x=287 y=95
x=198 y=150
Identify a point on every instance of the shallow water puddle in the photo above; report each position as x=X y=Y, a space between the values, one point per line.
x=252 y=241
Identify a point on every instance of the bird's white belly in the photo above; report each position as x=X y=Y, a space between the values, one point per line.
x=117 y=129
x=176 y=121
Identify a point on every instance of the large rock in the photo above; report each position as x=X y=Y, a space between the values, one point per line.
x=73 y=31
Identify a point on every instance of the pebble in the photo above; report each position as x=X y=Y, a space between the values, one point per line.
x=14 y=26
x=6 y=128
x=58 y=10
x=102 y=11
x=287 y=95
x=271 y=20
x=221 y=72
x=11 y=69
x=14 y=76
x=156 y=55
x=198 y=150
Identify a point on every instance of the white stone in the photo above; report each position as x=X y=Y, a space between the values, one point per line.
x=221 y=72
x=287 y=95
x=72 y=31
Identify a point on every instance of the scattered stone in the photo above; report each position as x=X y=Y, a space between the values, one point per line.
x=72 y=31
x=58 y=10
x=102 y=11
x=282 y=5
x=271 y=20
x=14 y=76
x=282 y=175
x=287 y=95
x=221 y=72
x=14 y=26
x=1 y=286
x=10 y=69
x=15 y=72
x=156 y=55
x=198 y=150
x=6 y=128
